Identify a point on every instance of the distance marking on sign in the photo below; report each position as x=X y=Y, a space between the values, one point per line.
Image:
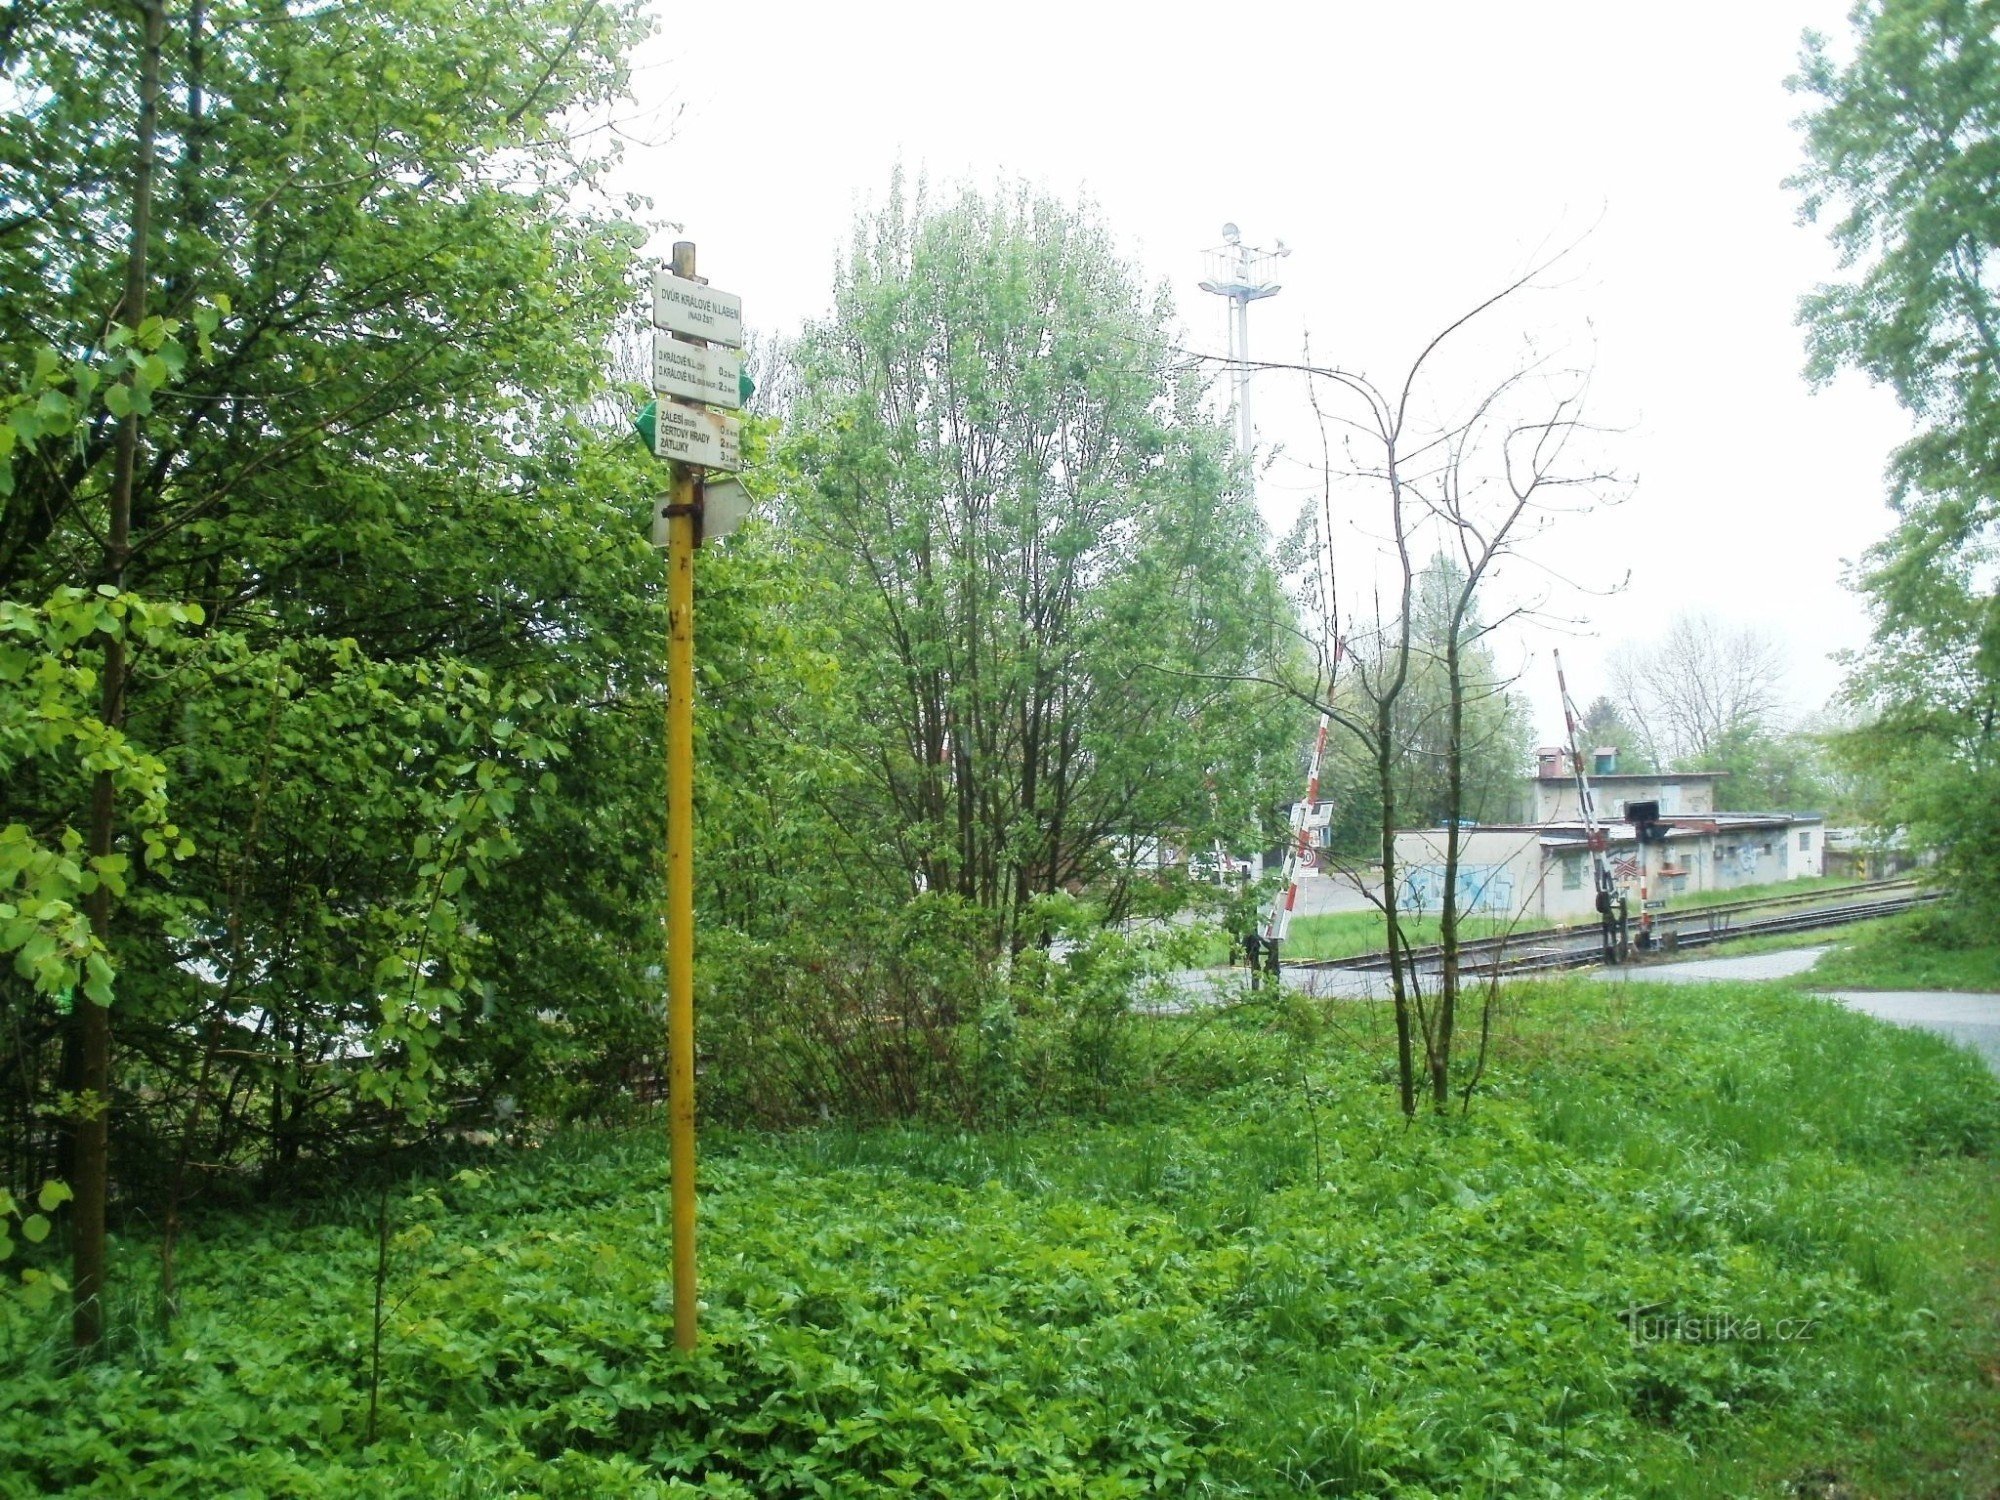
x=695 y=435
x=698 y=374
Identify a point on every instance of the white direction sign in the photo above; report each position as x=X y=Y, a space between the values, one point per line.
x=683 y=369
x=700 y=312
x=695 y=435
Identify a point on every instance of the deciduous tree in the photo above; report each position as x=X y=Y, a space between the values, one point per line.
x=1702 y=685
x=336 y=438
x=1902 y=142
x=1040 y=562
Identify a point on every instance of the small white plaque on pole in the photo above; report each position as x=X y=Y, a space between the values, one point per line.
x=698 y=374
x=700 y=312
x=695 y=435
x=725 y=505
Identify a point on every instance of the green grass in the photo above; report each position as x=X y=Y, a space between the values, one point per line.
x=1769 y=890
x=1344 y=934
x=1263 y=1283
x=1920 y=950
x=1348 y=933
x=1781 y=942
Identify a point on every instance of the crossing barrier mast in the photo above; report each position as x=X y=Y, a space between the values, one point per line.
x=1611 y=912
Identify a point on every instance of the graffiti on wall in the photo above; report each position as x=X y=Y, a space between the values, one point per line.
x=1481 y=888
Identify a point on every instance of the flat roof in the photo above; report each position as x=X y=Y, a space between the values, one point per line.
x=1633 y=776
x=1679 y=825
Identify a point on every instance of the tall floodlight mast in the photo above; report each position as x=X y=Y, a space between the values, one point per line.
x=1236 y=271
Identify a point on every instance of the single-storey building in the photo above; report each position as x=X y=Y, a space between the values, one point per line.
x=1542 y=870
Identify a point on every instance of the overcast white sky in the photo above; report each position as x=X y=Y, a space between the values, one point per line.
x=1415 y=158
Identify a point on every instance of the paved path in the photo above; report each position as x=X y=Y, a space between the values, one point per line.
x=1972 y=1020
x=1194 y=988
x=1702 y=970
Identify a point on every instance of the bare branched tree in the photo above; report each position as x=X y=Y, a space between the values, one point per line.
x=1504 y=478
x=1481 y=484
x=1701 y=685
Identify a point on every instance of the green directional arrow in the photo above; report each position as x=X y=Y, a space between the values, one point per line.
x=644 y=423
x=745 y=387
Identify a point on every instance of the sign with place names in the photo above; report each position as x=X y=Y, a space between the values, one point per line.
x=700 y=312
x=695 y=435
x=698 y=374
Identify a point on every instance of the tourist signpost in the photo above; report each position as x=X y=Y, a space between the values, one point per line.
x=687 y=315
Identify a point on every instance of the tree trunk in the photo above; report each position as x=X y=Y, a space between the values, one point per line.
x=1454 y=802
x=93 y=1131
x=1385 y=778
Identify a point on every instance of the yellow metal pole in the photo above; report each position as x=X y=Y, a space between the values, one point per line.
x=680 y=897
x=680 y=872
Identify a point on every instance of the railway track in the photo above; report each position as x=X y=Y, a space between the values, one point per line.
x=1674 y=931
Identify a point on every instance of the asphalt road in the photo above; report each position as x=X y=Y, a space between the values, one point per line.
x=1319 y=894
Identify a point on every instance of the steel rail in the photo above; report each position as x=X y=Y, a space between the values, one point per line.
x=1690 y=927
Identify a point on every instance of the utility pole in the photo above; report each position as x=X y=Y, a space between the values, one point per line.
x=687 y=316
x=1235 y=273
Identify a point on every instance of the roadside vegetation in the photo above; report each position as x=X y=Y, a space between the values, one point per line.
x=1933 y=948
x=1344 y=934
x=1687 y=1242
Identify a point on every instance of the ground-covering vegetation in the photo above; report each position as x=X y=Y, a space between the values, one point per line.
x=1343 y=934
x=1933 y=948
x=1774 y=889
x=1692 y=1241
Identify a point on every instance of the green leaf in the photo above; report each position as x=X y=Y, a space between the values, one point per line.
x=54 y=1195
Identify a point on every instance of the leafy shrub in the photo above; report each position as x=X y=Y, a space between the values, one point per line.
x=879 y=1021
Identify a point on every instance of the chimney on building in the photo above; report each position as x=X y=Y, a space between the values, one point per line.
x=1604 y=761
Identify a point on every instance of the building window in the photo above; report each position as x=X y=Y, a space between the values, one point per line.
x=1805 y=843
x=1767 y=846
x=1572 y=874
